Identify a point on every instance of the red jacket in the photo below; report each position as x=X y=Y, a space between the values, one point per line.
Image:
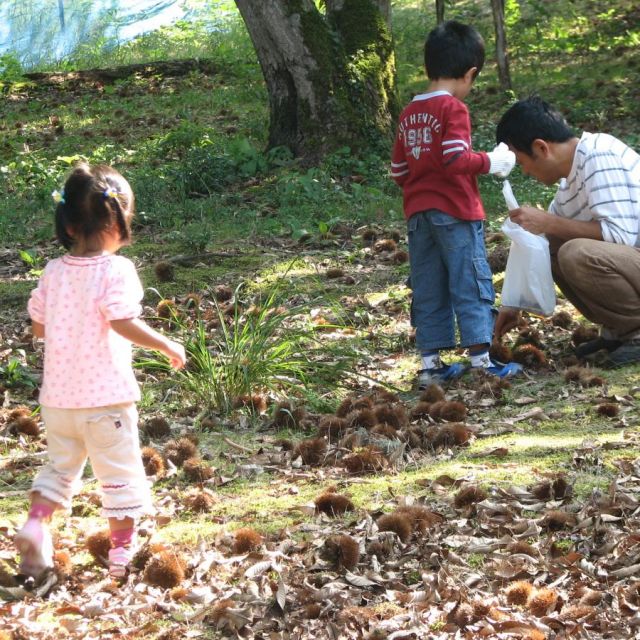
x=432 y=158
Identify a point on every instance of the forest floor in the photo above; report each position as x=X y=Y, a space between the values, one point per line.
x=331 y=499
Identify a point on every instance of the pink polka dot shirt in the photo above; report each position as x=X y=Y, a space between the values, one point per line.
x=86 y=363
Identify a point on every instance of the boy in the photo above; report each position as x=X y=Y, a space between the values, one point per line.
x=592 y=224
x=434 y=164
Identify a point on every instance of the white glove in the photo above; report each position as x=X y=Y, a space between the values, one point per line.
x=501 y=161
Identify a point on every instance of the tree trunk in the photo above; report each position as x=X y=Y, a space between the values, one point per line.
x=501 y=44
x=330 y=77
x=440 y=11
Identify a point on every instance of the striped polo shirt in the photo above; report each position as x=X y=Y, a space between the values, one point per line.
x=603 y=185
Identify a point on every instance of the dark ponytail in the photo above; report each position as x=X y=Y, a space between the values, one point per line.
x=95 y=198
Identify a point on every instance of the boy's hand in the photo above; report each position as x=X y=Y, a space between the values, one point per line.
x=176 y=354
x=501 y=161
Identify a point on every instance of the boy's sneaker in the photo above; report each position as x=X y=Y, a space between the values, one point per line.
x=508 y=370
x=438 y=375
x=35 y=546
x=119 y=560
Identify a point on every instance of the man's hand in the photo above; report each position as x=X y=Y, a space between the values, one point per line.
x=507 y=319
x=534 y=220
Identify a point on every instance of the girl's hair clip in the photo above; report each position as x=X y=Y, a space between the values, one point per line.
x=109 y=193
x=58 y=196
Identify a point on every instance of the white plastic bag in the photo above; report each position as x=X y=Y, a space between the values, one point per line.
x=528 y=283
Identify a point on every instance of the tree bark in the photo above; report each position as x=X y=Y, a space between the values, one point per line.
x=440 y=11
x=502 y=58
x=330 y=77
x=61 y=14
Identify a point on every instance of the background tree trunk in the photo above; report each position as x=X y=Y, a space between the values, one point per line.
x=330 y=77
x=502 y=58
x=440 y=11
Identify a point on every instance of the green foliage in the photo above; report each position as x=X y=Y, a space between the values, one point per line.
x=265 y=349
x=15 y=374
x=10 y=68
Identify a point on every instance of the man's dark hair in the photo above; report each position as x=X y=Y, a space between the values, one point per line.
x=451 y=49
x=532 y=119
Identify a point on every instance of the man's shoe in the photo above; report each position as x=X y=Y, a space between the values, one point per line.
x=627 y=353
x=35 y=546
x=587 y=348
x=508 y=370
x=440 y=374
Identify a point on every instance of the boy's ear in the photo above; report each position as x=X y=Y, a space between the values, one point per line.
x=471 y=74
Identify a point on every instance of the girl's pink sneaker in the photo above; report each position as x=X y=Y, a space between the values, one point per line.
x=119 y=559
x=35 y=546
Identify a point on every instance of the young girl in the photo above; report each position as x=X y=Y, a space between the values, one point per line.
x=87 y=307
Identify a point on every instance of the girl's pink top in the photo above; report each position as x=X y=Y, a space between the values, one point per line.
x=86 y=363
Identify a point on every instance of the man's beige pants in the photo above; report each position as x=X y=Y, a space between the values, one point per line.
x=601 y=280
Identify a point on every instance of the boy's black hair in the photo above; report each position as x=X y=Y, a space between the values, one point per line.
x=532 y=119
x=94 y=198
x=451 y=49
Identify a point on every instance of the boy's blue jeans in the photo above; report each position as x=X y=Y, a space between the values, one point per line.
x=451 y=280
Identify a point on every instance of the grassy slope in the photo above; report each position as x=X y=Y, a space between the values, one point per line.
x=150 y=130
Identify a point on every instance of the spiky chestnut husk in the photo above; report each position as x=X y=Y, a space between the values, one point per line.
x=165 y=570
x=332 y=427
x=463 y=615
x=369 y=236
x=530 y=356
x=584 y=334
x=200 y=502
x=192 y=300
x=554 y=520
x=393 y=414
x=27 y=426
x=385 y=245
x=562 y=319
x=519 y=592
x=542 y=602
x=157 y=427
x=432 y=393
x=521 y=547
x=166 y=309
x=468 y=496
x=312 y=611
x=365 y=460
x=361 y=418
x=196 y=471
x=500 y=352
x=436 y=407
x=529 y=335
x=497 y=259
x=608 y=409
x=333 y=504
x=420 y=517
x=222 y=293
x=180 y=450
x=448 y=435
x=380 y=395
x=153 y=462
x=246 y=540
x=560 y=487
x=18 y=412
x=396 y=522
x=62 y=563
x=576 y=612
x=351 y=441
x=342 y=550
x=453 y=411
x=164 y=271
x=256 y=402
x=98 y=545
x=334 y=272
x=312 y=451
x=421 y=410
x=400 y=256
x=385 y=431
x=286 y=416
